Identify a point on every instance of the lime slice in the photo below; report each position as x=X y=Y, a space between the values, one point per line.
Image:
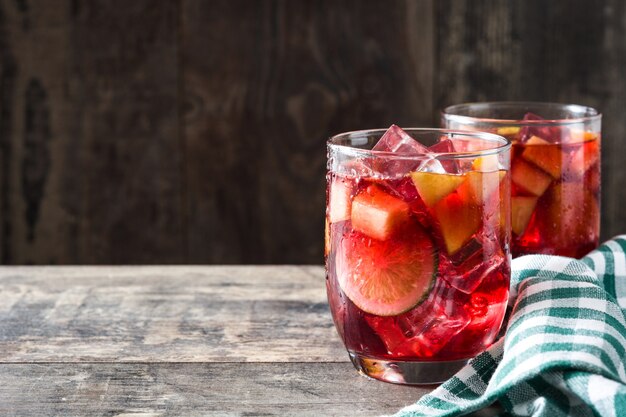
x=390 y=277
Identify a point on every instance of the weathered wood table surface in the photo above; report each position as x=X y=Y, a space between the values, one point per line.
x=178 y=341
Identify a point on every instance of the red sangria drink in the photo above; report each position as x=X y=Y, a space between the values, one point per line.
x=555 y=171
x=417 y=248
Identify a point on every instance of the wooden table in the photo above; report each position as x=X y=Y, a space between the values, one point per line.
x=178 y=341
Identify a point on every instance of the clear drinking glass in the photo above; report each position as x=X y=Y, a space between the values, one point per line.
x=417 y=250
x=555 y=171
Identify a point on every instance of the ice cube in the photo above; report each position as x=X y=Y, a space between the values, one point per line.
x=446 y=146
x=432 y=165
x=389 y=333
x=433 y=324
x=552 y=134
x=356 y=169
x=398 y=141
x=475 y=261
x=487 y=313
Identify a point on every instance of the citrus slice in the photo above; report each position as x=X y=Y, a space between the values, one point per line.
x=386 y=278
x=433 y=187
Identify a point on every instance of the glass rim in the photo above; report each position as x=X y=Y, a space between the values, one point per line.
x=451 y=113
x=503 y=144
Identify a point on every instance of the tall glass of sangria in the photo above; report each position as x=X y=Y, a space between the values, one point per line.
x=555 y=171
x=417 y=248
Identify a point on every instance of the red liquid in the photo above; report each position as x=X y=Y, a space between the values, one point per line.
x=563 y=219
x=459 y=243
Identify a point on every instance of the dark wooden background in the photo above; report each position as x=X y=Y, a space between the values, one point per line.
x=194 y=131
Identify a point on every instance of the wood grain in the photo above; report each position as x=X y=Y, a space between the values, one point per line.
x=164 y=314
x=194 y=132
x=558 y=51
x=296 y=72
x=150 y=390
x=92 y=166
x=179 y=341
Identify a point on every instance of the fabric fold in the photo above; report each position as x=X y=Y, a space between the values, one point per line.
x=563 y=350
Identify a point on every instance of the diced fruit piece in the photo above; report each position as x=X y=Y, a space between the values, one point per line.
x=433 y=187
x=458 y=219
x=326 y=238
x=339 y=200
x=529 y=178
x=479 y=186
x=585 y=156
x=592 y=179
x=387 y=278
x=486 y=163
x=377 y=213
x=571 y=215
x=508 y=130
x=578 y=136
x=522 y=208
x=545 y=155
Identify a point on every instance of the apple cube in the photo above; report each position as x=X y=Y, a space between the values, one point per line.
x=582 y=159
x=571 y=214
x=486 y=163
x=479 y=186
x=433 y=187
x=508 y=130
x=339 y=200
x=529 y=178
x=458 y=219
x=522 y=208
x=544 y=155
x=378 y=214
x=326 y=238
x=579 y=136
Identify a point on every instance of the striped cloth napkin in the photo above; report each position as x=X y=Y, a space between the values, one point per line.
x=564 y=347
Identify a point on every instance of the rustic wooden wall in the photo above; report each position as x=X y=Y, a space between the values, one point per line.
x=193 y=131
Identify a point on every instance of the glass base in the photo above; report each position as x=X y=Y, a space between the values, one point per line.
x=406 y=372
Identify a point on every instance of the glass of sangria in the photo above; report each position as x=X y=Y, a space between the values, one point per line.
x=417 y=248
x=555 y=171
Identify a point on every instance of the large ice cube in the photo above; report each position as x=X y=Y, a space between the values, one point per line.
x=445 y=145
x=550 y=133
x=480 y=257
x=398 y=141
x=428 y=328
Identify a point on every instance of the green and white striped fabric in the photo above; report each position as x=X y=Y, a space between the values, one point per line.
x=564 y=349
